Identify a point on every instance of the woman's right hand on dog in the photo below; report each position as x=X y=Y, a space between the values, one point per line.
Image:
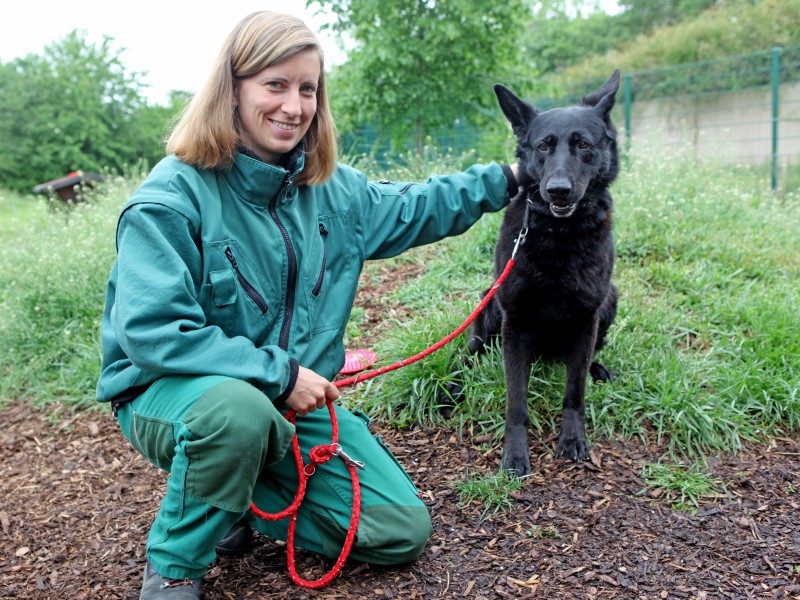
x=524 y=180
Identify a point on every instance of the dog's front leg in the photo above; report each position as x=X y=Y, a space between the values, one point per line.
x=572 y=438
x=517 y=362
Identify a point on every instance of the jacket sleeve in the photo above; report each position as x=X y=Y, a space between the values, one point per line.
x=399 y=216
x=157 y=319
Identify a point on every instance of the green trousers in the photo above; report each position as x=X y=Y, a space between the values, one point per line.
x=225 y=443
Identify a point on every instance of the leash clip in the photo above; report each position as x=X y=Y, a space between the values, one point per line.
x=519 y=241
x=523 y=233
x=346 y=457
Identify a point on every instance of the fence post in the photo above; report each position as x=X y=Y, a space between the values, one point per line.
x=628 y=101
x=776 y=84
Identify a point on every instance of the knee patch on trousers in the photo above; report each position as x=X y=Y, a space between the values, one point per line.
x=233 y=431
x=387 y=535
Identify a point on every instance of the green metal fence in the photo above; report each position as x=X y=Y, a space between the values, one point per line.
x=741 y=109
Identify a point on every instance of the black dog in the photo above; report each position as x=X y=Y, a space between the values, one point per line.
x=558 y=301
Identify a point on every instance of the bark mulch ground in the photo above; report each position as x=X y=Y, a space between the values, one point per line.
x=77 y=502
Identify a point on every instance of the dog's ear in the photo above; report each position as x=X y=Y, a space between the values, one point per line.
x=518 y=112
x=602 y=101
x=601 y=95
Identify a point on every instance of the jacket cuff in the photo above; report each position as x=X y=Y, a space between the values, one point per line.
x=513 y=186
x=294 y=369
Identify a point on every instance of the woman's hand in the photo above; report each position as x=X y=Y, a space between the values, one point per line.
x=524 y=180
x=311 y=391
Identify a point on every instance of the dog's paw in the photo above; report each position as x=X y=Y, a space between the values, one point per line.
x=517 y=465
x=576 y=449
x=601 y=373
x=449 y=396
x=572 y=442
x=516 y=457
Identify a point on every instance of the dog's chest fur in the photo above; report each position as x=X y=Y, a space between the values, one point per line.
x=562 y=271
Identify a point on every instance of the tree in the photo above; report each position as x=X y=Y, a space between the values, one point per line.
x=418 y=66
x=643 y=16
x=73 y=108
x=736 y=27
x=563 y=33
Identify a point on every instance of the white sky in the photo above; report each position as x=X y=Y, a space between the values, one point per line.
x=175 y=41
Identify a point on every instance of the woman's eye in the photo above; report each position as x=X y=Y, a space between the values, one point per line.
x=309 y=90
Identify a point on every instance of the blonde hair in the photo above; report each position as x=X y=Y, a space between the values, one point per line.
x=207 y=132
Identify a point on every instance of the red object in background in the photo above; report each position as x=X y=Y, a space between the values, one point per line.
x=357 y=360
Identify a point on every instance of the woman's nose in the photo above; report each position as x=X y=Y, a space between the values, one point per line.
x=291 y=105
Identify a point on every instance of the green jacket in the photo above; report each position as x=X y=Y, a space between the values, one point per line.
x=240 y=272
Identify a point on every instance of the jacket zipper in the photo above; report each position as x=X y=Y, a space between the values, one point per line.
x=291 y=283
x=318 y=286
x=246 y=286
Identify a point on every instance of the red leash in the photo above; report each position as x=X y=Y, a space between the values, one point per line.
x=492 y=290
x=317 y=456
x=321 y=454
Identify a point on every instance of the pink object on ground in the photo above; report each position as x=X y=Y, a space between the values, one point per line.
x=357 y=361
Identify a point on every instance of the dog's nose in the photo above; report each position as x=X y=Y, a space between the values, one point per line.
x=558 y=188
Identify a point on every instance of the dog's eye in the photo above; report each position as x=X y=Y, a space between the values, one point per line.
x=584 y=145
x=543 y=147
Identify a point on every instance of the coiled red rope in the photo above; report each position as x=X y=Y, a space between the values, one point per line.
x=317 y=456
x=321 y=454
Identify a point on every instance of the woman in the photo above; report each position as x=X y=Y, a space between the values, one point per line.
x=238 y=261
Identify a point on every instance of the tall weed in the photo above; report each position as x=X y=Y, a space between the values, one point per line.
x=706 y=345
x=52 y=285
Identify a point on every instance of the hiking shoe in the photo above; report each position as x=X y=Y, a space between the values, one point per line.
x=238 y=539
x=156 y=587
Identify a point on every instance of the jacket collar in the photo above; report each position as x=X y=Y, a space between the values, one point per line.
x=258 y=182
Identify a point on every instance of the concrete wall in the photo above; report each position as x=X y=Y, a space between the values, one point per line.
x=733 y=126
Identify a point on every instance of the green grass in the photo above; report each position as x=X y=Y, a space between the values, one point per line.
x=706 y=344
x=18 y=212
x=54 y=263
x=684 y=485
x=493 y=491
x=707 y=340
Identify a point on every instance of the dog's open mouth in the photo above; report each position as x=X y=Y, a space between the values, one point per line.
x=562 y=210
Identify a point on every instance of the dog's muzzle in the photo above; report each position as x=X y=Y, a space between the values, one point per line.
x=558 y=194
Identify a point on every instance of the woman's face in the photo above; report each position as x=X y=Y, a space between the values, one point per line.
x=277 y=105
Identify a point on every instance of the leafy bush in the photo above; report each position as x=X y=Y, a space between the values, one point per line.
x=730 y=29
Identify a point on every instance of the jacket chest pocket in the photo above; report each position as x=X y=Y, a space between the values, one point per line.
x=320 y=278
x=235 y=299
x=248 y=288
x=331 y=274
